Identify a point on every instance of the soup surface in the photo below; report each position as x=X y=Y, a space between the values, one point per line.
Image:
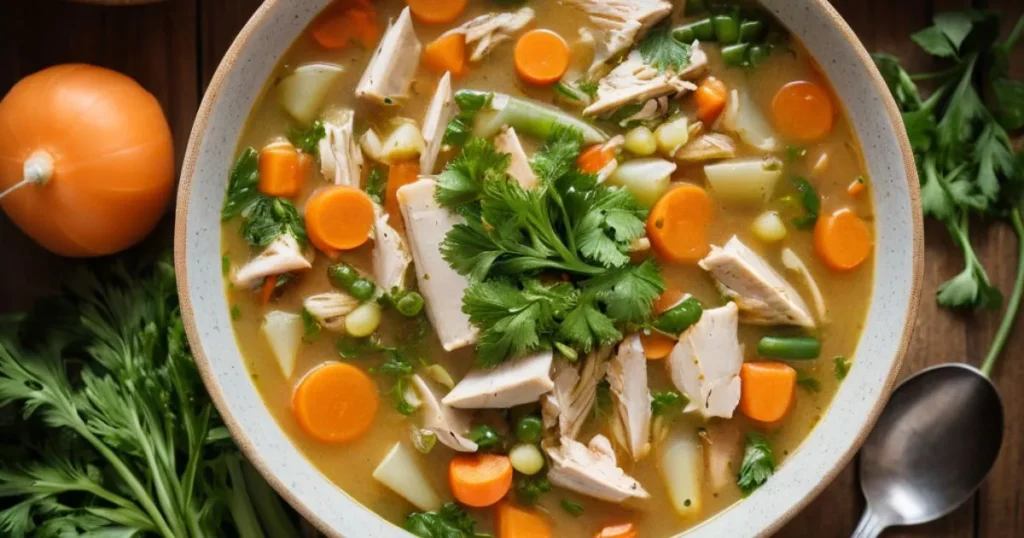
x=642 y=234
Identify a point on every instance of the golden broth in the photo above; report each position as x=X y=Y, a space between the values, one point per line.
x=350 y=465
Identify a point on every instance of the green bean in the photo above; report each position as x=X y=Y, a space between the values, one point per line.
x=735 y=55
x=758 y=54
x=727 y=28
x=342 y=275
x=680 y=317
x=750 y=31
x=684 y=34
x=703 y=30
x=529 y=429
x=789 y=347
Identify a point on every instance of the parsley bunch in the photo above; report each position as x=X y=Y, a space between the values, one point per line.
x=264 y=218
x=516 y=243
x=961 y=142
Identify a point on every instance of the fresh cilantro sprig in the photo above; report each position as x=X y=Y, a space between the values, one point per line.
x=450 y=521
x=965 y=159
x=758 y=464
x=264 y=218
x=308 y=140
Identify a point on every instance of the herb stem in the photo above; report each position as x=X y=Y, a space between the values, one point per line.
x=1015 y=297
x=917 y=77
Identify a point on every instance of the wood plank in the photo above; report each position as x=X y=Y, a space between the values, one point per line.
x=220 y=21
x=155 y=44
x=1001 y=498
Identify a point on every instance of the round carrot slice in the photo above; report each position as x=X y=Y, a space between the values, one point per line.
x=624 y=530
x=678 y=224
x=541 y=57
x=842 y=240
x=803 y=111
x=436 y=11
x=336 y=403
x=656 y=345
x=479 y=480
x=339 y=218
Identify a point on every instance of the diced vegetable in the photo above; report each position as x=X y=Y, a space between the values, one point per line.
x=268 y=289
x=768 y=227
x=336 y=403
x=767 y=392
x=842 y=240
x=341 y=23
x=803 y=111
x=743 y=117
x=526 y=458
x=541 y=57
x=436 y=11
x=447 y=54
x=339 y=218
x=735 y=55
x=744 y=182
x=682 y=467
x=678 y=224
x=479 y=480
x=399 y=175
x=790 y=348
x=283 y=331
x=750 y=31
x=282 y=169
x=672 y=135
x=440 y=375
x=640 y=141
x=484 y=436
x=596 y=158
x=401 y=473
x=422 y=440
x=621 y=530
x=857 y=187
x=727 y=28
x=329 y=309
x=758 y=53
x=516 y=522
x=711 y=97
x=362 y=289
x=701 y=30
x=529 y=117
x=646 y=179
x=303 y=91
x=404 y=143
x=680 y=317
x=821 y=166
x=363 y=321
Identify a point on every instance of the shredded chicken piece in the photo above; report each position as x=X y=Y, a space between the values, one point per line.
x=391 y=256
x=797 y=265
x=392 y=68
x=281 y=256
x=627 y=376
x=592 y=470
x=492 y=29
x=519 y=166
x=618 y=25
x=440 y=112
x=705 y=363
x=447 y=423
x=708 y=147
x=568 y=405
x=330 y=309
x=341 y=162
x=633 y=81
x=514 y=382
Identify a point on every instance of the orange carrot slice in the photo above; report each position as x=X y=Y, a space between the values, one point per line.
x=856 y=187
x=399 y=175
x=541 y=57
x=657 y=345
x=842 y=240
x=447 y=53
x=339 y=218
x=711 y=97
x=678 y=224
x=595 y=158
x=515 y=522
x=767 y=390
x=623 y=530
x=436 y=11
x=282 y=170
x=803 y=111
x=479 y=480
x=345 y=21
x=267 y=291
x=336 y=403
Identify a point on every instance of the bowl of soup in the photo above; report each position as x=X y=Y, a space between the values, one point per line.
x=566 y=268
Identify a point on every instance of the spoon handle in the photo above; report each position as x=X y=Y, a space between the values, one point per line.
x=870 y=526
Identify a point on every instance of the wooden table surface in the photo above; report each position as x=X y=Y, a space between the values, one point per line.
x=173 y=48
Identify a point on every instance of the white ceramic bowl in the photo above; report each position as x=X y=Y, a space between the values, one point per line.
x=234 y=90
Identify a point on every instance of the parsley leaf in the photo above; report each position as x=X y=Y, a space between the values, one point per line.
x=470 y=103
x=758 y=464
x=669 y=401
x=571 y=508
x=264 y=218
x=530 y=488
x=463 y=179
x=310 y=327
x=308 y=140
x=628 y=293
x=662 y=51
x=377 y=185
x=811 y=202
x=808 y=383
x=842 y=367
x=397 y=367
x=450 y=521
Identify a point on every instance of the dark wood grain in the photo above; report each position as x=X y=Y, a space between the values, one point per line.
x=173 y=48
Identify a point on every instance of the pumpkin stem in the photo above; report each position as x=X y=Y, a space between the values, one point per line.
x=38 y=170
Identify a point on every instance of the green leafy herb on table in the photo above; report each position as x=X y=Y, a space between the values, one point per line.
x=758 y=464
x=567 y=225
x=965 y=159
x=450 y=521
x=264 y=218
x=121 y=437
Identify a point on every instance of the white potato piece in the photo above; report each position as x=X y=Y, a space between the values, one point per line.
x=401 y=473
x=283 y=331
x=744 y=182
x=647 y=179
x=672 y=135
x=302 y=92
x=404 y=143
x=742 y=117
x=682 y=467
x=768 y=227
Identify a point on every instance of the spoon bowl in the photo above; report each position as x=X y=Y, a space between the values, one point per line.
x=935 y=442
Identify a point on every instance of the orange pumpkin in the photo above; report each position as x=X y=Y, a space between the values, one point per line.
x=86 y=160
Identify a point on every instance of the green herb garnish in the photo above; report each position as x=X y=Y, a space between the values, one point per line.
x=571 y=508
x=666 y=402
x=377 y=184
x=308 y=140
x=264 y=218
x=758 y=464
x=841 y=367
x=451 y=521
x=663 y=51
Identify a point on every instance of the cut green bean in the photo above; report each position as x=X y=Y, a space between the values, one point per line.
x=735 y=55
x=684 y=34
x=727 y=28
x=789 y=347
x=680 y=317
x=758 y=54
x=750 y=31
x=703 y=30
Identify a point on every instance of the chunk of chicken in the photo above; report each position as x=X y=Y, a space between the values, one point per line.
x=633 y=81
x=391 y=257
x=448 y=424
x=519 y=165
x=707 y=147
x=723 y=453
x=281 y=256
x=705 y=364
x=794 y=263
x=341 y=162
x=329 y=309
x=439 y=113
x=387 y=79
x=763 y=296
x=627 y=376
x=592 y=470
x=426 y=224
x=514 y=382
x=619 y=24
x=486 y=32
x=568 y=405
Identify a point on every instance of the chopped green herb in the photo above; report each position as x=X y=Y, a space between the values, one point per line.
x=377 y=184
x=589 y=88
x=808 y=383
x=669 y=401
x=758 y=464
x=662 y=51
x=530 y=488
x=795 y=152
x=842 y=367
x=811 y=203
x=308 y=140
x=573 y=509
x=470 y=103
x=236 y=312
x=354 y=348
x=451 y=521
x=310 y=327
x=264 y=218
x=225 y=265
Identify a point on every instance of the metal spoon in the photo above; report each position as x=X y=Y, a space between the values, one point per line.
x=933 y=445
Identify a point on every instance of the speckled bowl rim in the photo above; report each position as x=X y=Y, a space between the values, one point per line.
x=291 y=492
